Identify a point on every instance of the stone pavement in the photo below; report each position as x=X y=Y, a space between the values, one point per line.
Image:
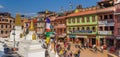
x=87 y=52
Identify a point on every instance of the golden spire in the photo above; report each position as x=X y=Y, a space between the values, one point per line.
x=46 y=12
x=18 y=20
x=31 y=25
x=76 y=10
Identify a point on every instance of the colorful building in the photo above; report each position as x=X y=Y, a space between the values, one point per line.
x=60 y=27
x=117 y=24
x=106 y=23
x=83 y=25
x=6 y=24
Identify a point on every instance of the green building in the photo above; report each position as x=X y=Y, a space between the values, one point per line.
x=83 y=26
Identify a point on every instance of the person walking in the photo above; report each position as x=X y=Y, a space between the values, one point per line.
x=79 y=53
x=101 y=48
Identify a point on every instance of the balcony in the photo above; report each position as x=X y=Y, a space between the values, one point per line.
x=105 y=32
x=109 y=22
x=60 y=26
x=82 y=32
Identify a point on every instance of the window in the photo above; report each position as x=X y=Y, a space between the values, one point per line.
x=78 y=28
x=6 y=26
x=88 y=28
x=119 y=31
x=83 y=28
x=111 y=16
x=118 y=19
x=1 y=26
x=105 y=17
x=6 y=32
x=101 y=29
x=10 y=21
x=73 y=29
x=93 y=19
x=111 y=28
x=88 y=20
x=2 y=19
x=100 y=17
x=78 y=20
x=93 y=28
x=73 y=20
x=69 y=20
x=83 y=19
x=1 y=31
x=106 y=28
x=69 y=29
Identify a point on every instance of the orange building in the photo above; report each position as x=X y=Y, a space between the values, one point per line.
x=6 y=24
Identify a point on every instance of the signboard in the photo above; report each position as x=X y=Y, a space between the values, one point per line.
x=109 y=22
x=102 y=22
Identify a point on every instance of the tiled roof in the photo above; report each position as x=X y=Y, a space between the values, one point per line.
x=109 y=9
x=62 y=17
x=82 y=13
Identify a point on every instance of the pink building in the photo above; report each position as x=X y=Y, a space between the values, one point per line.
x=117 y=23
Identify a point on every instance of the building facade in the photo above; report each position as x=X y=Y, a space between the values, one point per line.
x=83 y=25
x=117 y=24
x=6 y=24
x=106 y=23
x=60 y=27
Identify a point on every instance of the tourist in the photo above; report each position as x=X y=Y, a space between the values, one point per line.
x=75 y=54
x=101 y=48
x=79 y=53
x=71 y=54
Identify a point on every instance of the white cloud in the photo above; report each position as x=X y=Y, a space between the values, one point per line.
x=1 y=6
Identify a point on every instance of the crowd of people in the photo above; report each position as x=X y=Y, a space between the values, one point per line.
x=68 y=49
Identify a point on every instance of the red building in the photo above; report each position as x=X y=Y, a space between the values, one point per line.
x=60 y=26
x=117 y=23
x=106 y=22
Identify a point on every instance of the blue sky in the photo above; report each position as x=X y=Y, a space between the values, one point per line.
x=31 y=7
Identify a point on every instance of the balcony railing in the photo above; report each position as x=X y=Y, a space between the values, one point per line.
x=109 y=22
x=105 y=32
x=82 y=32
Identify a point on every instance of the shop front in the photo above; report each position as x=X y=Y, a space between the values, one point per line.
x=102 y=40
x=61 y=37
x=92 y=40
x=110 y=40
x=82 y=39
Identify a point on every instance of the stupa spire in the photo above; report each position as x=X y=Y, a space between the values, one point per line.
x=31 y=26
x=18 y=20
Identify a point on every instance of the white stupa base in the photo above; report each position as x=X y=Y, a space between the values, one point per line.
x=17 y=33
x=1 y=47
x=29 y=36
x=31 y=49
